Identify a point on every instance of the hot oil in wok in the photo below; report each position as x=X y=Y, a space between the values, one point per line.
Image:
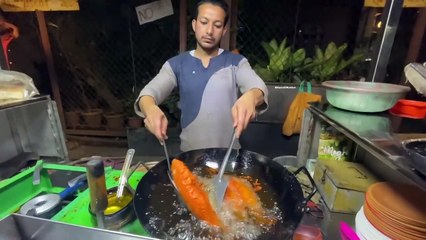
x=237 y=227
x=158 y=208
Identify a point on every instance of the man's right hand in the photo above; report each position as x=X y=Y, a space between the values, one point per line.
x=155 y=119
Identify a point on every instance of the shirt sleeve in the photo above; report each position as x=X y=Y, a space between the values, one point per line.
x=159 y=87
x=247 y=79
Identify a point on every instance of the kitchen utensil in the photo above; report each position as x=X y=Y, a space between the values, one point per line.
x=416 y=75
x=409 y=109
x=169 y=174
x=155 y=199
x=77 y=179
x=220 y=182
x=36 y=174
x=123 y=176
x=47 y=205
x=363 y=96
x=97 y=188
x=119 y=212
x=416 y=151
x=169 y=168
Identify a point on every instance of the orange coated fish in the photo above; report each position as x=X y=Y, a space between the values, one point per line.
x=244 y=201
x=193 y=194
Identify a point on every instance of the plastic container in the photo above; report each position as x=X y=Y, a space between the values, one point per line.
x=409 y=109
x=305 y=232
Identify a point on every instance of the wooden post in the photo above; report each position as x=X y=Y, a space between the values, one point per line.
x=417 y=37
x=183 y=29
x=224 y=43
x=50 y=66
x=233 y=27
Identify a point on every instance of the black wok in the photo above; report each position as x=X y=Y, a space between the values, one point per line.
x=155 y=199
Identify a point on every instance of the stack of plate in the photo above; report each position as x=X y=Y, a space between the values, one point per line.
x=365 y=230
x=395 y=211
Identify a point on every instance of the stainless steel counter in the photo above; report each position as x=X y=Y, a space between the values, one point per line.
x=377 y=137
x=17 y=227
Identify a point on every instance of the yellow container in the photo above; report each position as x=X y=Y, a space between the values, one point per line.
x=342 y=184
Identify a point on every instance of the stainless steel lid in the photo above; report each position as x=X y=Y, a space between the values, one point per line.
x=416 y=75
x=40 y=205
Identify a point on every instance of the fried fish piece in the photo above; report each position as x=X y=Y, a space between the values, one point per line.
x=193 y=194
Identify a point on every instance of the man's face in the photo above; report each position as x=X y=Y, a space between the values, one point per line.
x=209 y=27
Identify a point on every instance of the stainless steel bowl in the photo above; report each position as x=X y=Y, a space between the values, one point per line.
x=363 y=96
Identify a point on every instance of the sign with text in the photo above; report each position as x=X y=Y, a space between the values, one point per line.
x=407 y=3
x=38 y=5
x=155 y=10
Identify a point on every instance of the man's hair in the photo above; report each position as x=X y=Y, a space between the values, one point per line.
x=220 y=3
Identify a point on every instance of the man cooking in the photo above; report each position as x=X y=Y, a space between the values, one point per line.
x=208 y=79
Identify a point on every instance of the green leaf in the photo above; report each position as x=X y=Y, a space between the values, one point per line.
x=285 y=59
x=330 y=50
x=273 y=43
x=298 y=57
x=354 y=59
x=275 y=63
x=319 y=54
x=282 y=45
x=264 y=73
x=268 y=49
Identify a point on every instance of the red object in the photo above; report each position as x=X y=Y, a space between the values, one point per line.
x=305 y=232
x=409 y=109
x=5 y=40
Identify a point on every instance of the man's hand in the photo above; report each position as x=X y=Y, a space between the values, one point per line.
x=244 y=109
x=155 y=119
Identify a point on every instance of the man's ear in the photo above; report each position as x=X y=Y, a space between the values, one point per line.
x=193 y=24
x=225 y=29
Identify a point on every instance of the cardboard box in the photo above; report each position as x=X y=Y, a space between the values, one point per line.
x=342 y=184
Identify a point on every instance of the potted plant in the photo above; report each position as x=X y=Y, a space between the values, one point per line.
x=72 y=118
x=282 y=60
x=133 y=120
x=285 y=69
x=326 y=64
x=114 y=121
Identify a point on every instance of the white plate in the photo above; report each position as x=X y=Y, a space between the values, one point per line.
x=366 y=229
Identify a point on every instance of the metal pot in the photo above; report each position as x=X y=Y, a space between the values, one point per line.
x=416 y=151
x=155 y=199
x=116 y=216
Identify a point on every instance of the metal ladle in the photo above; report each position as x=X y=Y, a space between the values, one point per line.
x=123 y=176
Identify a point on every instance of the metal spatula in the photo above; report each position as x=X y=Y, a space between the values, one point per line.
x=220 y=183
x=169 y=168
x=169 y=173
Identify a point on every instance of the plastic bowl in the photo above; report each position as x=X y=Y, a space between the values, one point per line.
x=363 y=96
x=409 y=109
